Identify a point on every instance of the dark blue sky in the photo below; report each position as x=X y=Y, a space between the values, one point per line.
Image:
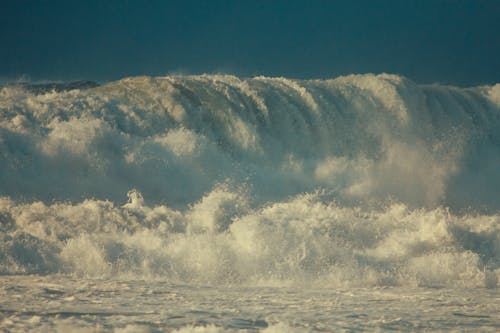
x=446 y=41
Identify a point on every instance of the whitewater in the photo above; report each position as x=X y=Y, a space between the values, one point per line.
x=213 y=203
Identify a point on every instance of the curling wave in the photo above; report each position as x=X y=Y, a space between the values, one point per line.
x=360 y=179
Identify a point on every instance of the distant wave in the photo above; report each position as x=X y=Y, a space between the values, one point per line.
x=47 y=87
x=261 y=178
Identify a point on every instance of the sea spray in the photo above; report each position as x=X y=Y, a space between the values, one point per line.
x=364 y=138
x=364 y=180
x=301 y=240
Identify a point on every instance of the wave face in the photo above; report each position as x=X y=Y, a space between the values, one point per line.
x=359 y=180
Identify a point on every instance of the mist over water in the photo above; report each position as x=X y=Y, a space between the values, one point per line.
x=363 y=180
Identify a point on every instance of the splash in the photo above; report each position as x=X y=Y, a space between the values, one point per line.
x=360 y=180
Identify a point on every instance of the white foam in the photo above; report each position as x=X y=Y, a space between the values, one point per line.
x=361 y=180
x=221 y=240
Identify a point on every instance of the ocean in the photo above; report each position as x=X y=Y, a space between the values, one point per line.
x=214 y=203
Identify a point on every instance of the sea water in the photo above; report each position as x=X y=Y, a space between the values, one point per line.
x=65 y=304
x=214 y=203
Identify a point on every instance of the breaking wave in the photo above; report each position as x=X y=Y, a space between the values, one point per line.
x=361 y=180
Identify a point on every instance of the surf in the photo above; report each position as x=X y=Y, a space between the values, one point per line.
x=358 y=180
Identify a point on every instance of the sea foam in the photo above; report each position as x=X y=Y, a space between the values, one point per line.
x=360 y=180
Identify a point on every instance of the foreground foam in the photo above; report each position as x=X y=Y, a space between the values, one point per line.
x=301 y=240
